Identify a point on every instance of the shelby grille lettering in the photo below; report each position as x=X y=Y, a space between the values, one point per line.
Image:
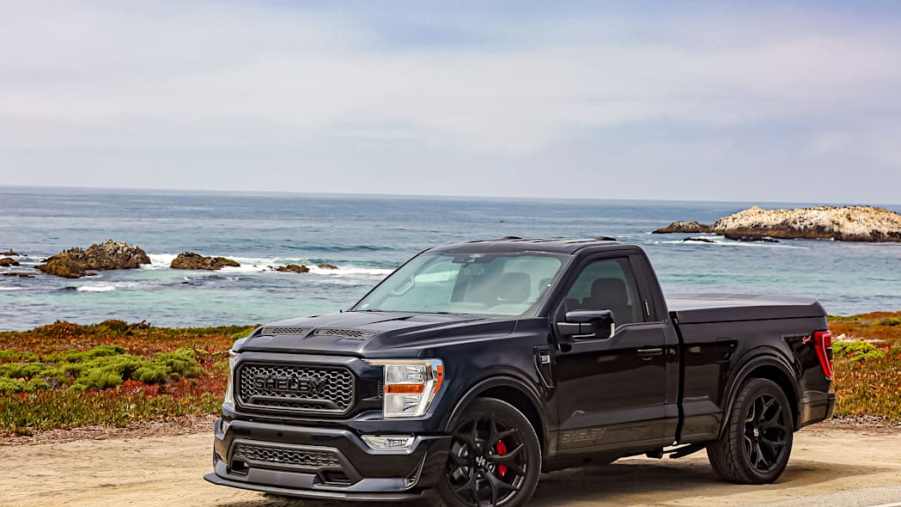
x=303 y=386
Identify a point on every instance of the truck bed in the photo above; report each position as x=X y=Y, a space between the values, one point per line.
x=703 y=308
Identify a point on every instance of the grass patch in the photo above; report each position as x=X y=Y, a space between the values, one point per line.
x=101 y=367
x=857 y=351
x=876 y=325
x=113 y=373
x=869 y=385
x=868 y=375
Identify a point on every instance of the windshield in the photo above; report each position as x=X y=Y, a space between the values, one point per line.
x=481 y=284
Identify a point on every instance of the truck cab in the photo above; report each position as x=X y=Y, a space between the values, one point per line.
x=476 y=366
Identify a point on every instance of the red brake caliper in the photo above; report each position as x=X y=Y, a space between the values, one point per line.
x=501 y=450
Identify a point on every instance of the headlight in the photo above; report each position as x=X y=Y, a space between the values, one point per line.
x=230 y=389
x=410 y=385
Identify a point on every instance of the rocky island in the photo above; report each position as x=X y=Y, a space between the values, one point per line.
x=8 y=261
x=76 y=262
x=840 y=223
x=293 y=268
x=686 y=226
x=192 y=260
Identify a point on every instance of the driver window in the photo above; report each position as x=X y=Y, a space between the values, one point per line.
x=607 y=285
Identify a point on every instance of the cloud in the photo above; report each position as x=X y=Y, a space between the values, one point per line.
x=191 y=90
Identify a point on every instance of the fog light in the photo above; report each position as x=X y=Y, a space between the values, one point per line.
x=389 y=442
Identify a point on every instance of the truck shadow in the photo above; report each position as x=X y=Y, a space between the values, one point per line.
x=636 y=481
x=639 y=481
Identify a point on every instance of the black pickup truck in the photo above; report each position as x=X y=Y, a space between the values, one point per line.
x=476 y=366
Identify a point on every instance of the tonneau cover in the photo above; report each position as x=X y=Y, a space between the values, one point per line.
x=702 y=308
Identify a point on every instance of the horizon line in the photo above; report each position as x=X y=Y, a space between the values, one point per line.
x=438 y=196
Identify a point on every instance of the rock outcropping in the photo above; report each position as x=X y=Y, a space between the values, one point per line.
x=75 y=262
x=762 y=239
x=293 y=268
x=326 y=265
x=844 y=223
x=19 y=274
x=8 y=261
x=686 y=226
x=192 y=260
x=10 y=253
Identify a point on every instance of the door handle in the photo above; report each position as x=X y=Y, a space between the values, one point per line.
x=649 y=353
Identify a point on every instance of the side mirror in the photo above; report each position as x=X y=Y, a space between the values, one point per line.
x=599 y=323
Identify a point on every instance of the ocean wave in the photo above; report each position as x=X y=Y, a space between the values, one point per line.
x=268 y=264
x=159 y=261
x=96 y=288
x=344 y=248
x=106 y=286
x=9 y=289
x=351 y=271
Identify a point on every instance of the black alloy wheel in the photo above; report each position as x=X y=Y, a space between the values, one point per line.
x=756 y=444
x=494 y=457
x=765 y=433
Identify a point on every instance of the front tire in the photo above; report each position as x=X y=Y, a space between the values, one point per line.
x=756 y=445
x=495 y=457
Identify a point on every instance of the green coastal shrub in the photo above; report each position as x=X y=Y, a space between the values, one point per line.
x=98 y=378
x=152 y=374
x=14 y=385
x=101 y=367
x=104 y=371
x=165 y=365
x=181 y=362
x=857 y=351
x=76 y=356
x=16 y=355
x=20 y=370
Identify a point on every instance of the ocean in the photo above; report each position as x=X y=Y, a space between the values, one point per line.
x=368 y=236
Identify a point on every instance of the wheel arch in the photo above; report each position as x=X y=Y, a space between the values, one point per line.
x=511 y=390
x=767 y=365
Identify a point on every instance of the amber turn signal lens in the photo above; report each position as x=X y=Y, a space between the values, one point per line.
x=404 y=388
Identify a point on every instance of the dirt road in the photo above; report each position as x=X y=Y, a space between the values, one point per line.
x=829 y=467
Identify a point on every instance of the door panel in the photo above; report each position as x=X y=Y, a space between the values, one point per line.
x=616 y=384
x=611 y=392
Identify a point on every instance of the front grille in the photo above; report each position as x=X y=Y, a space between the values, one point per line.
x=317 y=389
x=285 y=457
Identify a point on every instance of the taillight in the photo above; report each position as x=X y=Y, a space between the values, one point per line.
x=822 y=341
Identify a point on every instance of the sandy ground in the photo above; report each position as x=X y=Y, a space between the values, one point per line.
x=829 y=467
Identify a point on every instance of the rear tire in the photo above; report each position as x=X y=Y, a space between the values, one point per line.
x=495 y=457
x=756 y=445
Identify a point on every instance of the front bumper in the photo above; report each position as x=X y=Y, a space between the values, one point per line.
x=353 y=471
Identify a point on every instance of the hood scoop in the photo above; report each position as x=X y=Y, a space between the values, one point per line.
x=354 y=334
x=357 y=334
x=281 y=331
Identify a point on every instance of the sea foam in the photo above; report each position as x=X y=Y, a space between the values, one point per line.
x=96 y=288
x=268 y=264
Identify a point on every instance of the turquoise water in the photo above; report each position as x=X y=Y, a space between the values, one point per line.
x=367 y=236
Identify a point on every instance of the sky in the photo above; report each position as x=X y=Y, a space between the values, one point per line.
x=749 y=101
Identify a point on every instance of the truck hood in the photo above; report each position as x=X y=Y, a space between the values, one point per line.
x=371 y=334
